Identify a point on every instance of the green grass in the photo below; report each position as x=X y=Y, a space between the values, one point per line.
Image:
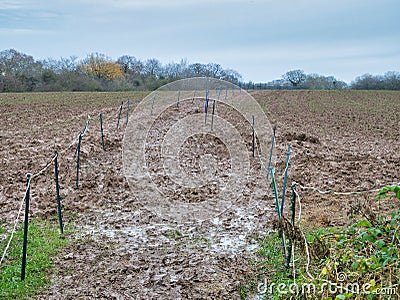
x=358 y=261
x=173 y=234
x=271 y=270
x=44 y=241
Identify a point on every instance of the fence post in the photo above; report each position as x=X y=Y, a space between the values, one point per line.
x=58 y=198
x=271 y=151
x=101 y=129
x=78 y=151
x=293 y=208
x=206 y=108
x=26 y=221
x=285 y=178
x=252 y=136
x=179 y=96
x=119 y=114
x=212 y=116
x=278 y=209
x=275 y=190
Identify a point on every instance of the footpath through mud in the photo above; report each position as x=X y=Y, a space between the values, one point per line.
x=123 y=249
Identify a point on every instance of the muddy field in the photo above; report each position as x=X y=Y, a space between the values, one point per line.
x=341 y=140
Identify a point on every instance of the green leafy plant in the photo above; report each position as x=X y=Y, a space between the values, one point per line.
x=361 y=260
x=389 y=188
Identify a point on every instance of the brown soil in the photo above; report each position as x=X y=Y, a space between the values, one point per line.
x=341 y=141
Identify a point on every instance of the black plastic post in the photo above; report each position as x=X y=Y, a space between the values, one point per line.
x=194 y=95
x=127 y=112
x=26 y=221
x=119 y=114
x=78 y=154
x=101 y=129
x=252 y=136
x=271 y=152
x=76 y=151
x=278 y=209
x=206 y=108
x=293 y=208
x=179 y=96
x=58 y=198
x=285 y=178
x=212 y=116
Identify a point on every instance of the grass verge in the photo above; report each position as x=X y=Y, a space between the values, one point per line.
x=358 y=261
x=44 y=241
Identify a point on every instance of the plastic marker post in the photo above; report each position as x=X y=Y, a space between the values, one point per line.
x=78 y=155
x=252 y=136
x=26 y=221
x=119 y=114
x=271 y=151
x=212 y=116
x=285 y=178
x=102 y=133
x=206 y=108
x=58 y=198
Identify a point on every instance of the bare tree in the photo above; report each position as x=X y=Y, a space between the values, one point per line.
x=153 y=67
x=197 y=69
x=131 y=64
x=97 y=72
x=231 y=76
x=214 y=70
x=320 y=82
x=19 y=71
x=64 y=64
x=392 y=80
x=295 y=77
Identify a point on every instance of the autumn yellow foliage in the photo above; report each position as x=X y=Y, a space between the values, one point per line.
x=100 y=67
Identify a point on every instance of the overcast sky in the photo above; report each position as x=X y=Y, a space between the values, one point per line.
x=260 y=39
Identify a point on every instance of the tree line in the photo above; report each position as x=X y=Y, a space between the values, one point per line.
x=298 y=79
x=20 y=72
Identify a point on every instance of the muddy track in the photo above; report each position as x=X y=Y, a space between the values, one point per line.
x=123 y=250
